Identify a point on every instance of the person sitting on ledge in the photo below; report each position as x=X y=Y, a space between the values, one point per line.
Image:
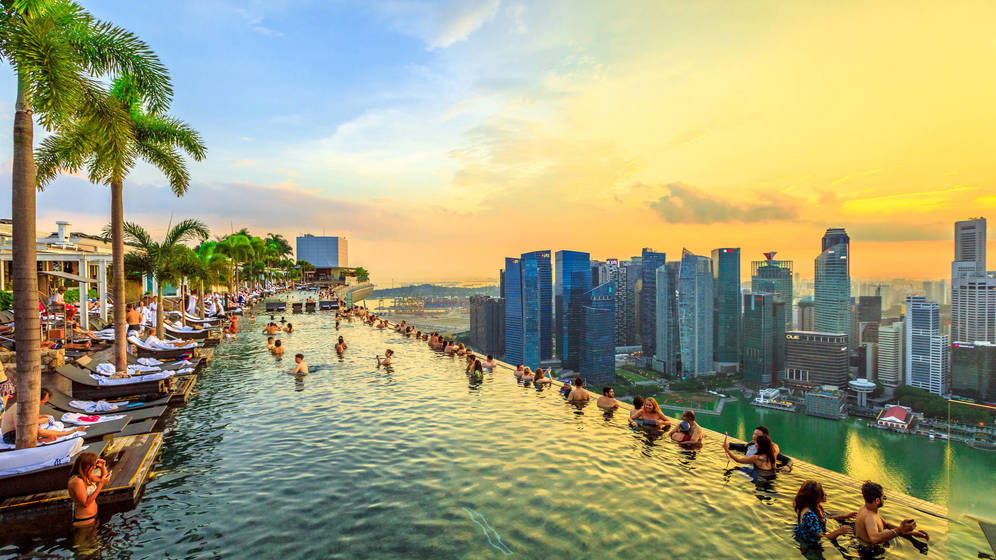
x=607 y=401
x=869 y=526
x=784 y=462
x=811 y=520
x=386 y=361
x=8 y=423
x=278 y=348
x=578 y=393
x=650 y=414
x=302 y=366
x=687 y=432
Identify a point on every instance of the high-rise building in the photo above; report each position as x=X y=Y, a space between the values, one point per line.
x=602 y=272
x=891 y=356
x=813 y=359
x=668 y=357
x=529 y=308
x=973 y=370
x=764 y=339
x=695 y=314
x=832 y=287
x=807 y=315
x=926 y=348
x=973 y=289
x=726 y=307
x=774 y=277
x=627 y=300
x=651 y=260
x=487 y=325
x=598 y=355
x=571 y=282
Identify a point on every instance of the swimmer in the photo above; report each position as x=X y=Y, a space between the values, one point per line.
x=289 y=328
x=461 y=350
x=278 y=348
x=527 y=377
x=869 y=526
x=337 y=324
x=386 y=361
x=88 y=478
x=490 y=364
x=650 y=414
x=637 y=406
x=341 y=346
x=302 y=366
x=477 y=371
x=607 y=401
x=687 y=432
x=519 y=370
x=763 y=461
x=541 y=379
x=811 y=520
x=269 y=343
x=784 y=462
x=282 y=320
x=252 y=318
x=578 y=393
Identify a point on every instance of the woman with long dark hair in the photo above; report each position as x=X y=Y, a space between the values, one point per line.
x=811 y=520
x=763 y=461
x=85 y=485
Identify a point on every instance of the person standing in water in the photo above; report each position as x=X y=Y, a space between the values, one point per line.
x=869 y=526
x=341 y=346
x=302 y=366
x=386 y=361
x=88 y=478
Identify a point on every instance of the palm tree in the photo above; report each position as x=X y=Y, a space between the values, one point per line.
x=109 y=141
x=214 y=270
x=305 y=267
x=361 y=274
x=161 y=260
x=238 y=248
x=56 y=49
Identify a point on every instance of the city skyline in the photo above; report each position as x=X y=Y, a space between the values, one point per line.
x=408 y=126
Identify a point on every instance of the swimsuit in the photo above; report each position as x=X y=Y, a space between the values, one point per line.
x=810 y=526
x=91 y=487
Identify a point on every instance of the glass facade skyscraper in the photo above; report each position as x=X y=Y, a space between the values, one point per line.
x=652 y=260
x=695 y=314
x=774 y=277
x=572 y=281
x=529 y=308
x=927 y=350
x=726 y=305
x=973 y=288
x=832 y=284
x=630 y=280
x=764 y=339
x=598 y=356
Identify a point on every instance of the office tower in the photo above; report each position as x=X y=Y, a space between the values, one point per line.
x=598 y=345
x=891 y=356
x=813 y=359
x=807 y=315
x=866 y=316
x=603 y=271
x=652 y=260
x=571 y=282
x=832 y=287
x=487 y=325
x=501 y=283
x=764 y=339
x=695 y=314
x=973 y=289
x=726 y=303
x=774 y=277
x=630 y=280
x=973 y=370
x=926 y=348
x=529 y=308
x=668 y=358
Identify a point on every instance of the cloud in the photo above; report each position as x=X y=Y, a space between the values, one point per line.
x=689 y=205
x=900 y=232
x=254 y=20
x=245 y=162
x=440 y=25
x=267 y=31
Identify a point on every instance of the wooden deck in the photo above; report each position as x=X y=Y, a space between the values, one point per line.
x=130 y=459
x=184 y=390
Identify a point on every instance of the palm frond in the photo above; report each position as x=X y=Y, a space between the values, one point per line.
x=170 y=131
x=169 y=161
x=187 y=230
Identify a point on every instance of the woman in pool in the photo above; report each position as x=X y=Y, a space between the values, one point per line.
x=88 y=478
x=764 y=461
x=541 y=380
x=387 y=358
x=528 y=377
x=289 y=328
x=519 y=370
x=477 y=371
x=650 y=415
x=461 y=350
x=811 y=520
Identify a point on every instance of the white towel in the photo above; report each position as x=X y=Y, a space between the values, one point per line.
x=185 y=371
x=183 y=363
x=97 y=406
x=87 y=420
x=155 y=342
x=42 y=456
x=133 y=369
x=149 y=362
x=104 y=369
x=128 y=380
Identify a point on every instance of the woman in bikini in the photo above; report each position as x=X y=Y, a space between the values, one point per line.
x=650 y=415
x=89 y=477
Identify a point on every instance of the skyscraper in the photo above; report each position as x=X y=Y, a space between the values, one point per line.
x=630 y=280
x=695 y=313
x=648 y=301
x=598 y=356
x=891 y=356
x=572 y=281
x=726 y=304
x=487 y=325
x=973 y=289
x=668 y=346
x=806 y=315
x=774 y=277
x=764 y=339
x=813 y=359
x=529 y=308
x=832 y=289
x=926 y=348
x=973 y=371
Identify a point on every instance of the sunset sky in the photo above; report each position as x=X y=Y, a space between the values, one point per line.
x=441 y=137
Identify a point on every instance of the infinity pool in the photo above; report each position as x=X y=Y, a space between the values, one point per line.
x=414 y=462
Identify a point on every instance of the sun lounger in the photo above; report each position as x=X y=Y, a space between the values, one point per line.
x=272 y=306
x=143 y=427
x=309 y=306
x=134 y=415
x=63 y=402
x=296 y=307
x=85 y=387
x=49 y=475
x=192 y=334
x=142 y=349
x=91 y=362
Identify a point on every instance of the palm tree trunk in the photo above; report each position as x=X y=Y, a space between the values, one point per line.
x=200 y=298
x=183 y=302
x=27 y=337
x=159 y=308
x=118 y=276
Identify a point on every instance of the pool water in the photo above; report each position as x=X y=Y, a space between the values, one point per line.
x=413 y=461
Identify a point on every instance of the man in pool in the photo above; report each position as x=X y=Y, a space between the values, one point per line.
x=269 y=343
x=340 y=347
x=869 y=526
x=748 y=449
x=637 y=406
x=386 y=361
x=490 y=364
x=302 y=366
x=278 y=348
x=687 y=432
x=607 y=401
x=578 y=393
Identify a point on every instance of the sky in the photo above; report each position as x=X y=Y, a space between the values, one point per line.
x=440 y=137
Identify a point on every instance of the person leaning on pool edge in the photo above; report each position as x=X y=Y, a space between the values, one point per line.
x=869 y=526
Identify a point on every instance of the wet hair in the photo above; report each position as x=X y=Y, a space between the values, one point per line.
x=278 y=343
x=809 y=496
x=690 y=415
x=269 y=339
x=478 y=368
x=652 y=401
x=606 y=389
x=44 y=394
x=490 y=357
x=301 y=356
x=871 y=491
x=388 y=352
x=763 y=430
x=638 y=402
x=341 y=339
x=765 y=448
x=578 y=381
x=290 y=326
x=83 y=465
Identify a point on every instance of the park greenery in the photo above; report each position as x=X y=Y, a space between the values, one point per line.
x=936 y=406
